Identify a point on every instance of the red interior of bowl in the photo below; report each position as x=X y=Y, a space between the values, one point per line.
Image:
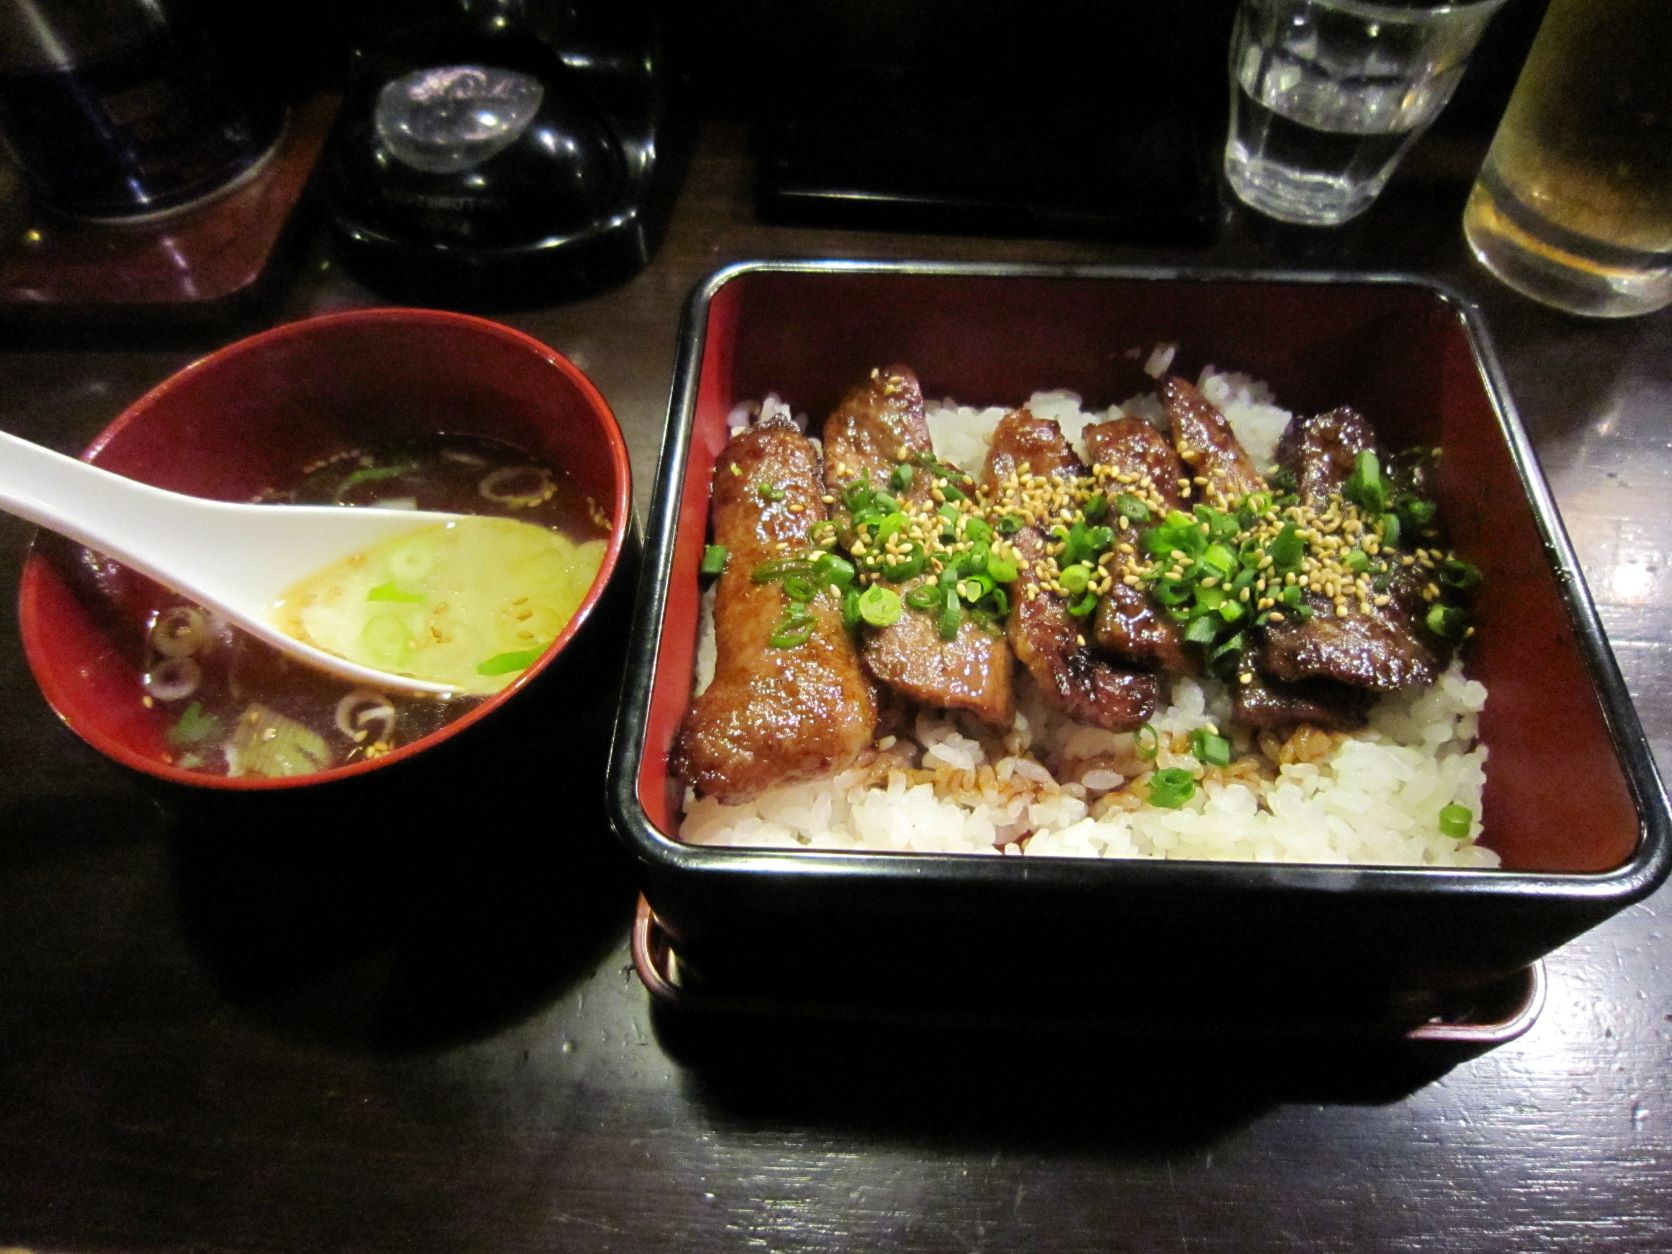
x=253 y=414
x=1557 y=799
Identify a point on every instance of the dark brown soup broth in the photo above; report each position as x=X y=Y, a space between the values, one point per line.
x=228 y=704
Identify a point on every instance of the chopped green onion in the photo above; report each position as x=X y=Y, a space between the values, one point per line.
x=385 y=635
x=1085 y=605
x=857 y=496
x=833 y=569
x=1455 y=821
x=925 y=596
x=951 y=615
x=714 y=559
x=1095 y=507
x=1147 y=742
x=780 y=568
x=1002 y=569
x=411 y=562
x=1213 y=749
x=850 y=608
x=800 y=588
x=1075 y=579
x=879 y=606
x=1179 y=532
x=901 y=479
x=1357 y=561
x=505 y=663
x=265 y=742
x=1132 y=508
x=1202 y=630
x=907 y=568
x=1010 y=524
x=1447 y=622
x=1416 y=513
x=976 y=529
x=1389 y=524
x=791 y=634
x=890 y=525
x=1171 y=592
x=1366 y=487
x=373 y=474
x=1171 y=788
x=769 y=491
x=1287 y=550
x=1220 y=525
x=194 y=727
x=1458 y=574
x=392 y=591
x=1223 y=660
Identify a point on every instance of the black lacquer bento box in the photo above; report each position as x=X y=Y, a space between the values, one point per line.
x=1573 y=805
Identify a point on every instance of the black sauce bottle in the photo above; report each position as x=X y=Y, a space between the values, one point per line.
x=473 y=164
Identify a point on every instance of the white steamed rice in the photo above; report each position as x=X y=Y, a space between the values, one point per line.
x=1051 y=787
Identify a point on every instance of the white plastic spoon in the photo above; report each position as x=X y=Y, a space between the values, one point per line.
x=237 y=560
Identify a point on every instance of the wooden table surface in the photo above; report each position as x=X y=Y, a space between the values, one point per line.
x=203 y=1051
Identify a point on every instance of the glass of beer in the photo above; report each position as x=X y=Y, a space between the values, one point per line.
x=1328 y=95
x=1573 y=206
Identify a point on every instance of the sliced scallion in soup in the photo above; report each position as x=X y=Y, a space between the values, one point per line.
x=226 y=704
x=469 y=604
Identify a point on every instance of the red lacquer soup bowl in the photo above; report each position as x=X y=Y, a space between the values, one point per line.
x=253 y=417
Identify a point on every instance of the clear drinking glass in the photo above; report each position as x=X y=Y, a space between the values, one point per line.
x=1574 y=204
x=1327 y=96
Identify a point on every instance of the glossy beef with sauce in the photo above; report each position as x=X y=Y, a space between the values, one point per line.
x=1095 y=602
x=1269 y=705
x=1046 y=638
x=877 y=426
x=1380 y=646
x=1128 y=454
x=1207 y=444
x=771 y=715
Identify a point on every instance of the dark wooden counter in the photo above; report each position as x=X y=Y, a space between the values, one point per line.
x=208 y=1047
